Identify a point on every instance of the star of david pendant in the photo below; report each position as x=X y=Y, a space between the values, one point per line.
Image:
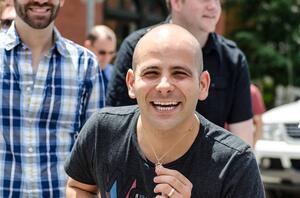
x=158 y=164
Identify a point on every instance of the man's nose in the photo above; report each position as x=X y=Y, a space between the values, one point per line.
x=165 y=85
x=212 y=4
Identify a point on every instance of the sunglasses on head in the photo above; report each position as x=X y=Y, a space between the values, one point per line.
x=5 y=23
x=103 y=52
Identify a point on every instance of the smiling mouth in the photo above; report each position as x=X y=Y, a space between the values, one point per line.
x=209 y=16
x=165 y=106
x=39 y=9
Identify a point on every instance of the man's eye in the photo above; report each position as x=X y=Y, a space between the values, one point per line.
x=180 y=73
x=150 y=74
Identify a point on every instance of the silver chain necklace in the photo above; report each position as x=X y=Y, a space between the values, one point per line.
x=159 y=159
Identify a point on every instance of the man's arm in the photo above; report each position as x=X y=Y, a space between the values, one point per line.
x=79 y=163
x=240 y=120
x=244 y=130
x=257 y=120
x=242 y=177
x=77 y=189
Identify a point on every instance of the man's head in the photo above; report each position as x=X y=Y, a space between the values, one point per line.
x=38 y=14
x=7 y=16
x=195 y=15
x=102 y=41
x=167 y=78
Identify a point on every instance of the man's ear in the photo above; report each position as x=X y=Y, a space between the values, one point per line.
x=87 y=44
x=62 y=2
x=130 y=82
x=204 y=85
x=176 y=4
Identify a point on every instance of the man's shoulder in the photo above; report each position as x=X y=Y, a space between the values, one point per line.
x=115 y=117
x=119 y=111
x=112 y=121
x=74 y=48
x=227 y=46
x=221 y=139
x=225 y=42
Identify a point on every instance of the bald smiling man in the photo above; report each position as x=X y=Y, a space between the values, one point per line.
x=162 y=147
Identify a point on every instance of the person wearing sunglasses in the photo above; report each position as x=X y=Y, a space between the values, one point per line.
x=102 y=42
x=7 y=16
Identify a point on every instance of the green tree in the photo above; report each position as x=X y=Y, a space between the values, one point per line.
x=268 y=31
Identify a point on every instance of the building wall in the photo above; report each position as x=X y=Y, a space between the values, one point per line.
x=220 y=29
x=71 y=20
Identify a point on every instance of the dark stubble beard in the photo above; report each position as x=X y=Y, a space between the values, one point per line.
x=37 y=23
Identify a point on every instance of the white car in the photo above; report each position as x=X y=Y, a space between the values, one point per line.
x=278 y=151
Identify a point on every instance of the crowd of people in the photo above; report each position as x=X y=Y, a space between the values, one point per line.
x=170 y=92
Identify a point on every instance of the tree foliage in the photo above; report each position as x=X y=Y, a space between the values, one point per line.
x=268 y=31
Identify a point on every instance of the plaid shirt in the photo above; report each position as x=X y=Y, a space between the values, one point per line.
x=41 y=113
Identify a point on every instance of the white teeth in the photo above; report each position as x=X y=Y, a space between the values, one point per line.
x=165 y=106
x=39 y=9
x=160 y=108
x=165 y=103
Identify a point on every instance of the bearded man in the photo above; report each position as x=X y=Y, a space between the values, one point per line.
x=49 y=86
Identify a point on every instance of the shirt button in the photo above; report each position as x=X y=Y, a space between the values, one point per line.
x=30 y=149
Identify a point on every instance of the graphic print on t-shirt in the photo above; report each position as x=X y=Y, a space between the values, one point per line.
x=133 y=192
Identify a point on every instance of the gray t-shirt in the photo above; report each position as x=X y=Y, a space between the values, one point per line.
x=107 y=154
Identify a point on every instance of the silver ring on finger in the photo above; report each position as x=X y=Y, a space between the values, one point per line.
x=171 y=192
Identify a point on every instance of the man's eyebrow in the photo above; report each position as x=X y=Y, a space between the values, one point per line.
x=144 y=68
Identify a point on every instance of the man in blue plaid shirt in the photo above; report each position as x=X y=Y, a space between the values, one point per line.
x=49 y=86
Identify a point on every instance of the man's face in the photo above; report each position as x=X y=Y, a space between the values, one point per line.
x=200 y=14
x=166 y=82
x=104 y=49
x=7 y=17
x=37 y=14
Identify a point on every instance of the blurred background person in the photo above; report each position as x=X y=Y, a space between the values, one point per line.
x=103 y=43
x=7 y=15
x=258 y=108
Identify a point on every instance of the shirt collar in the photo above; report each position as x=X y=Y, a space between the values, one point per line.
x=211 y=44
x=12 y=39
x=59 y=43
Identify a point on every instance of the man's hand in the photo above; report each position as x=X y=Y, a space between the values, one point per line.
x=171 y=183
